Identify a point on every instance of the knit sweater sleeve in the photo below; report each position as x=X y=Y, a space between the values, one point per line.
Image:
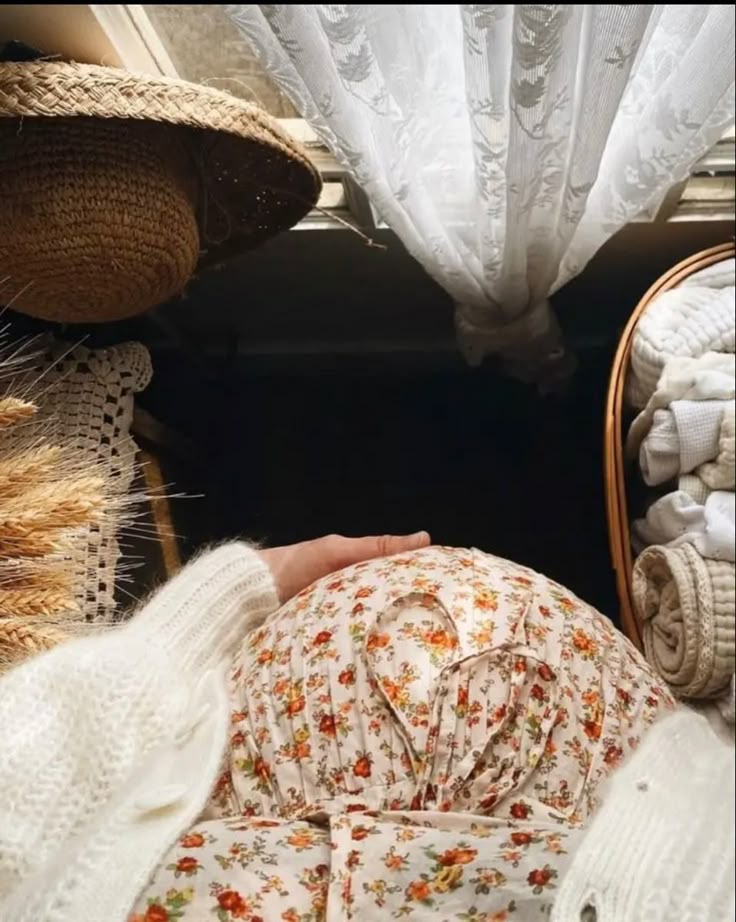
x=662 y=845
x=200 y=615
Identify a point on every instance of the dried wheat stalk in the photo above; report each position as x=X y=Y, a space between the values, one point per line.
x=20 y=638
x=26 y=468
x=32 y=544
x=23 y=574
x=38 y=522
x=13 y=410
x=59 y=504
x=50 y=496
x=26 y=603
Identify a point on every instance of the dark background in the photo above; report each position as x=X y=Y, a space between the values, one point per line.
x=313 y=387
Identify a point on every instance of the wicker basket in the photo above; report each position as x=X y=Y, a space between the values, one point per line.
x=617 y=512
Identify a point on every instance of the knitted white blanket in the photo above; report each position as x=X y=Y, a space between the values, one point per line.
x=720 y=275
x=686 y=608
x=684 y=322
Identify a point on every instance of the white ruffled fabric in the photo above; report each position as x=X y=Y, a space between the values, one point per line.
x=676 y=519
x=711 y=376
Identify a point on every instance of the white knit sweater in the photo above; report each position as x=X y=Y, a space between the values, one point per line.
x=661 y=849
x=110 y=745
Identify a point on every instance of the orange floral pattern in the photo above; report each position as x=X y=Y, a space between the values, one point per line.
x=446 y=866
x=242 y=870
x=361 y=866
x=445 y=680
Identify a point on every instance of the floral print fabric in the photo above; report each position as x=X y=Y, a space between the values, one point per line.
x=395 y=715
x=247 y=869
x=445 y=680
x=443 y=867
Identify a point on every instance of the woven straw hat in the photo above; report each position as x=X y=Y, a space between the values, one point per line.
x=114 y=186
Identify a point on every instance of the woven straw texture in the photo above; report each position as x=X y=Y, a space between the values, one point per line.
x=112 y=184
x=102 y=221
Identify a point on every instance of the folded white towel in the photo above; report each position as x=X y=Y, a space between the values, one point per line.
x=659 y=454
x=694 y=487
x=683 y=322
x=699 y=426
x=709 y=377
x=720 y=474
x=675 y=519
x=681 y=438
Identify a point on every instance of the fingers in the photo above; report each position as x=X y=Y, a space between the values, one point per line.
x=400 y=544
x=354 y=550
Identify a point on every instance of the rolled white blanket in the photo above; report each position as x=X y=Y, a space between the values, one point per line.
x=686 y=321
x=686 y=608
x=676 y=519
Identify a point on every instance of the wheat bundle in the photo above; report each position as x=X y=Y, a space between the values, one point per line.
x=49 y=499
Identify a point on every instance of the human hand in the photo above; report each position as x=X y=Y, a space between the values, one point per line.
x=298 y=565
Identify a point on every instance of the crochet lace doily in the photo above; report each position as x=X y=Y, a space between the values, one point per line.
x=87 y=397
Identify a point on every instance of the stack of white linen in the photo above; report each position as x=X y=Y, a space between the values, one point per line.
x=683 y=381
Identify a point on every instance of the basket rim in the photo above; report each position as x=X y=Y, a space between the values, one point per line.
x=617 y=515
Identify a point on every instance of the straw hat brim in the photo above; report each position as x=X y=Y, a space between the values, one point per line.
x=254 y=180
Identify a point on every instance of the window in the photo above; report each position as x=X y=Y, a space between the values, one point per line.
x=709 y=194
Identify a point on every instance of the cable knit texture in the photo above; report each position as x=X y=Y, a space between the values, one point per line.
x=109 y=745
x=684 y=321
x=686 y=607
x=720 y=275
x=661 y=849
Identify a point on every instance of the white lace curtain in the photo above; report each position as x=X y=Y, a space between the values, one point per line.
x=505 y=143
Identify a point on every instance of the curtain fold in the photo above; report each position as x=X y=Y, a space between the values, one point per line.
x=505 y=143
